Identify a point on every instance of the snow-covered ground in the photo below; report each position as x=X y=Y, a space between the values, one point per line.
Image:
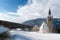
x=25 y=35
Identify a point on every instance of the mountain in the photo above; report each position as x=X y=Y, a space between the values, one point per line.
x=39 y=21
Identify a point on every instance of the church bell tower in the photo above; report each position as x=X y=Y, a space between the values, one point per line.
x=50 y=21
x=50 y=17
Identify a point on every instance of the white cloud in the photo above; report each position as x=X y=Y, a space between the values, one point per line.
x=34 y=9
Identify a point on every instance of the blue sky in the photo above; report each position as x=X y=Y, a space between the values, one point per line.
x=23 y=10
x=11 y=5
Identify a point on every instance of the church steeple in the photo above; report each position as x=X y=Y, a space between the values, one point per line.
x=50 y=21
x=50 y=17
x=49 y=12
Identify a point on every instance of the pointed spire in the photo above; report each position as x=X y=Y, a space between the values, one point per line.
x=49 y=12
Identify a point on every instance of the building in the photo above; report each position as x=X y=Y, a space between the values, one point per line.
x=35 y=28
x=44 y=28
x=48 y=26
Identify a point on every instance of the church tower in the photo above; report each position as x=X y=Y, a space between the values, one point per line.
x=50 y=21
x=50 y=17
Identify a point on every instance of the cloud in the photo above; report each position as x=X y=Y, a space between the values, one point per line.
x=6 y=17
x=56 y=8
x=34 y=9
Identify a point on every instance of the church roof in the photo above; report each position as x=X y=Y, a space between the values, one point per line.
x=44 y=28
x=44 y=24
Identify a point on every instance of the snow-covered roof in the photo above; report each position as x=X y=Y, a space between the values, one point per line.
x=44 y=28
x=43 y=25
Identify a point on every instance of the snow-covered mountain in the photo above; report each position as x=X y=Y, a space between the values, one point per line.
x=35 y=22
x=38 y=22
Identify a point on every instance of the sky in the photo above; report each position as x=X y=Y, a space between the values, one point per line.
x=11 y=5
x=23 y=10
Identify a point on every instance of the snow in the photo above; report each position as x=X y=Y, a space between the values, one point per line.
x=24 y=35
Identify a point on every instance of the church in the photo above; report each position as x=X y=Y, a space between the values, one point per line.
x=48 y=25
